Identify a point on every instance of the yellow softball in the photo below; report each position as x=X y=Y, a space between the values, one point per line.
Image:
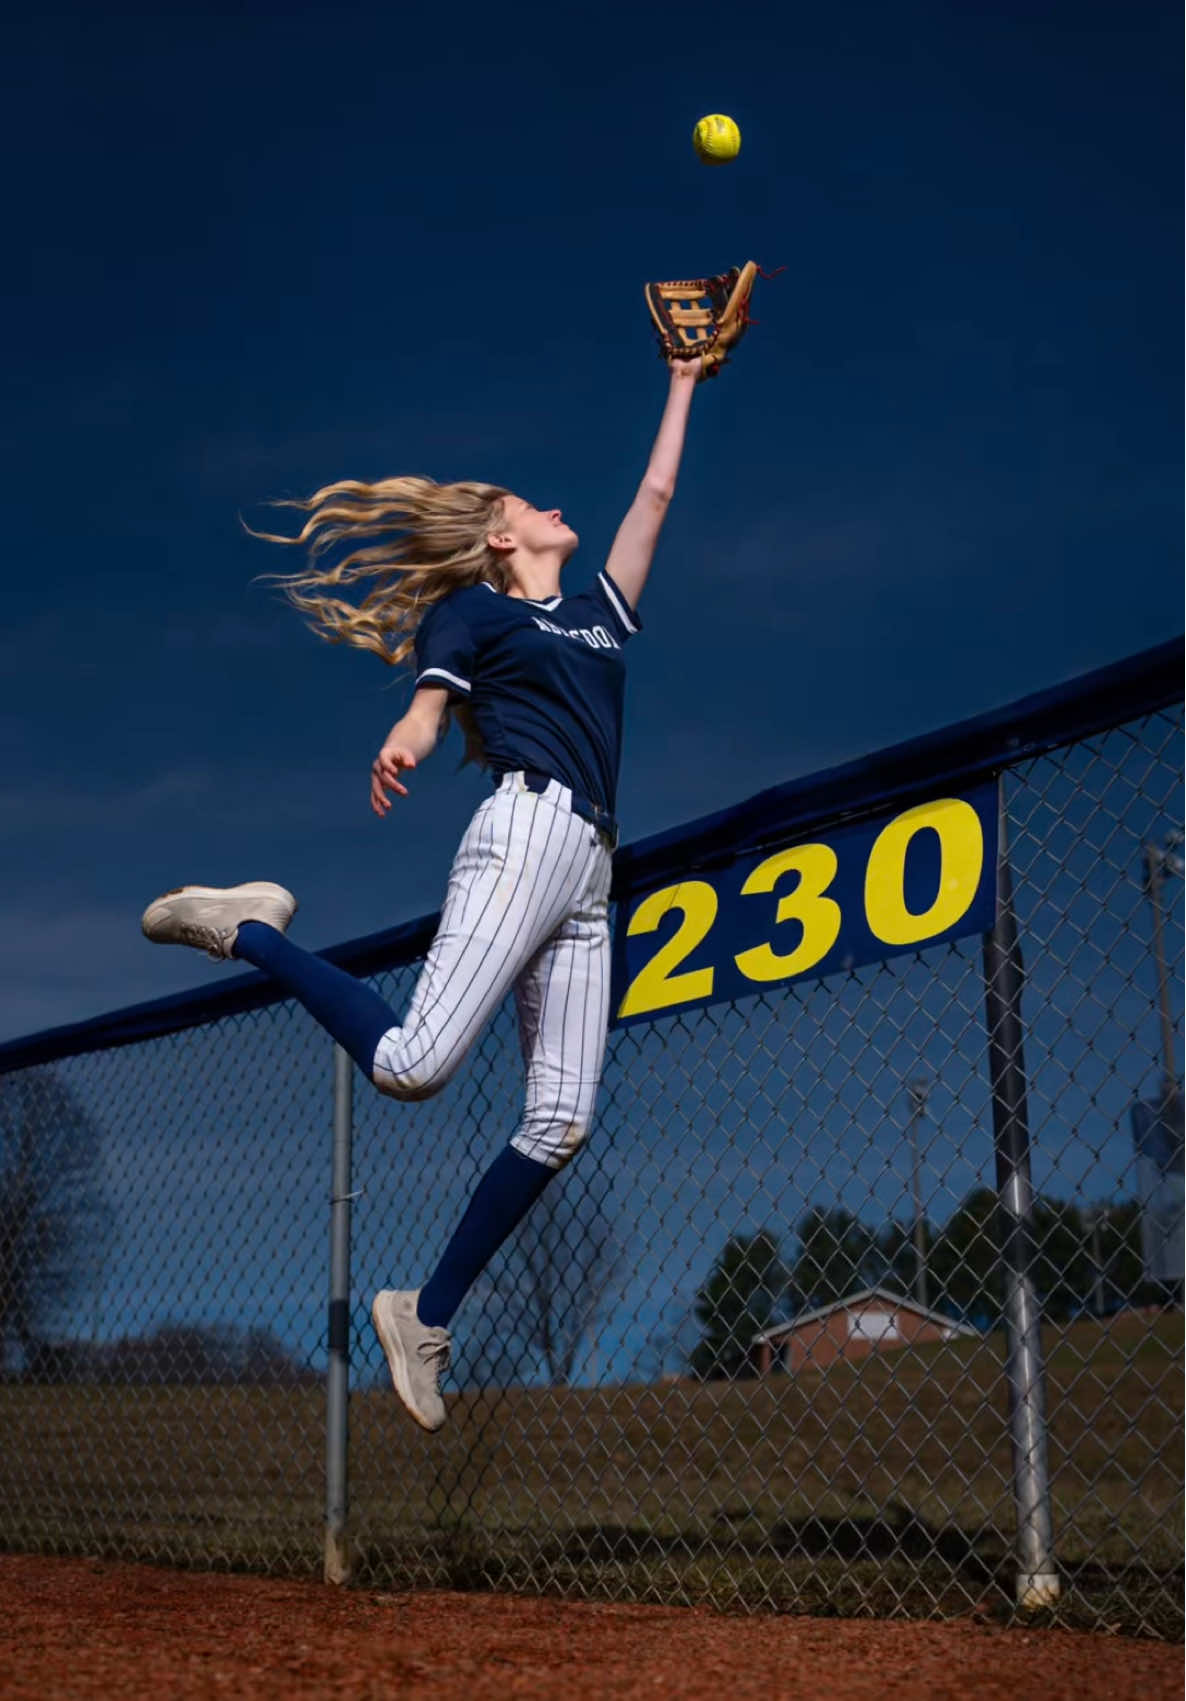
x=716 y=139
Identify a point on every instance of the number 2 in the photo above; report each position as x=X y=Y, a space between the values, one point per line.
x=653 y=987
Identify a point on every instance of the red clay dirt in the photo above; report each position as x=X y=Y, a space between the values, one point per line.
x=88 y=1628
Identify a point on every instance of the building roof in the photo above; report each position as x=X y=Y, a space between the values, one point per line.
x=899 y=1301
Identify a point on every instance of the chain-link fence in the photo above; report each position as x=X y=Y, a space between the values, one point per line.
x=864 y=1297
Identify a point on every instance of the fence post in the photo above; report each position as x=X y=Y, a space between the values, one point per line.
x=337 y=1411
x=1004 y=978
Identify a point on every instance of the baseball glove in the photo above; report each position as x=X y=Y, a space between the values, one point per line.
x=702 y=317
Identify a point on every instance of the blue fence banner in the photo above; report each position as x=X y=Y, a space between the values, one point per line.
x=858 y=893
x=950 y=762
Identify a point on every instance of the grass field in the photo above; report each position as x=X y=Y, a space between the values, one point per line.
x=877 y=1488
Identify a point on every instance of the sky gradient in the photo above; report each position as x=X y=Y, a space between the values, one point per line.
x=261 y=248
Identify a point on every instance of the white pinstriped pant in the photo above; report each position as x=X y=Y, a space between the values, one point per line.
x=527 y=907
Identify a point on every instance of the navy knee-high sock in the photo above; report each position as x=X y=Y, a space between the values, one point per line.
x=501 y=1200
x=349 y=1011
x=358 y=1018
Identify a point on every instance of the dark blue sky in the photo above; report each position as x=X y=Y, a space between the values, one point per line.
x=260 y=248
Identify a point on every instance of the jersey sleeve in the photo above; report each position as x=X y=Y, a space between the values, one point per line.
x=625 y=621
x=445 y=650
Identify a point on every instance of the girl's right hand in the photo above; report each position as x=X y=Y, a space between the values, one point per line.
x=385 y=772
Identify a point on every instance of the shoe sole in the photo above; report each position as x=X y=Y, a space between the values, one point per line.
x=397 y=1364
x=267 y=890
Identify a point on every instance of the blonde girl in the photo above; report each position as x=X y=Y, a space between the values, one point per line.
x=464 y=581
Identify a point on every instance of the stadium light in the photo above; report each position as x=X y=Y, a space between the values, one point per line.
x=919 y=1089
x=1162 y=862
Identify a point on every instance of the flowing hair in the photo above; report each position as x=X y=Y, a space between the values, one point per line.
x=414 y=540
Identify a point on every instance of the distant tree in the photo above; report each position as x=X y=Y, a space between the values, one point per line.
x=745 y=1288
x=837 y=1256
x=966 y=1274
x=184 y=1354
x=1061 y=1267
x=671 y=1343
x=200 y=1354
x=54 y=1221
x=562 y=1268
x=266 y=1361
x=1066 y=1246
x=899 y=1259
x=964 y=1264
x=1115 y=1239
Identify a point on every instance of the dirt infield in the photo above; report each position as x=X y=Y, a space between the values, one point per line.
x=88 y=1628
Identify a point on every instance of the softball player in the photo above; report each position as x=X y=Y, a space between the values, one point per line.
x=468 y=577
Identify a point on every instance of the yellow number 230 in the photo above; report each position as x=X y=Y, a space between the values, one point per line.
x=961 y=846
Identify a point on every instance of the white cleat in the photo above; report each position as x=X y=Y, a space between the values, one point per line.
x=208 y=917
x=417 y=1355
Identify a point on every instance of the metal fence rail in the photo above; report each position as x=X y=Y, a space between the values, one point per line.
x=866 y=1295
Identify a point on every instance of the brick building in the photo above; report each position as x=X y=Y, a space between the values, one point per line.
x=874 y=1320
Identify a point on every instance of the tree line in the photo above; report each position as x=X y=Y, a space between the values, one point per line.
x=557 y=1278
x=57 y=1229
x=560 y=1275
x=176 y=1354
x=1083 y=1262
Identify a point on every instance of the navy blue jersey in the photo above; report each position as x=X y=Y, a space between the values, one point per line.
x=546 y=681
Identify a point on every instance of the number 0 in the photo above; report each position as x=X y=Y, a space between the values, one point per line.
x=961 y=863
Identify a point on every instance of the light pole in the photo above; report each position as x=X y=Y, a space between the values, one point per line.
x=1097 y=1262
x=1161 y=861
x=919 y=1090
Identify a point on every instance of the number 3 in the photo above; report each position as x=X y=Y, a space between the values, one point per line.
x=819 y=916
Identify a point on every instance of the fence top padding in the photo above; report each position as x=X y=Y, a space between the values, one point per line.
x=956 y=755
x=966 y=751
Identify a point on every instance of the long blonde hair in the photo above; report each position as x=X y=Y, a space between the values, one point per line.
x=415 y=539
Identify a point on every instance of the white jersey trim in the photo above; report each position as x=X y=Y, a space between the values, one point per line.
x=615 y=597
x=452 y=679
x=552 y=602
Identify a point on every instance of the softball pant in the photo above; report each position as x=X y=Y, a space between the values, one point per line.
x=527 y=908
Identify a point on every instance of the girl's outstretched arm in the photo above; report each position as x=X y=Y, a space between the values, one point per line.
x=634 y=547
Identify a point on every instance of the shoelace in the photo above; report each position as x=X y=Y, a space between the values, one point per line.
x=209 y=939
x=436 y=1354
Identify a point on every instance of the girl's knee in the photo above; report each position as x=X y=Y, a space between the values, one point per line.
x=411 y=1084
x=414 y=1062
x=557 y=1122
x=555 y=1144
